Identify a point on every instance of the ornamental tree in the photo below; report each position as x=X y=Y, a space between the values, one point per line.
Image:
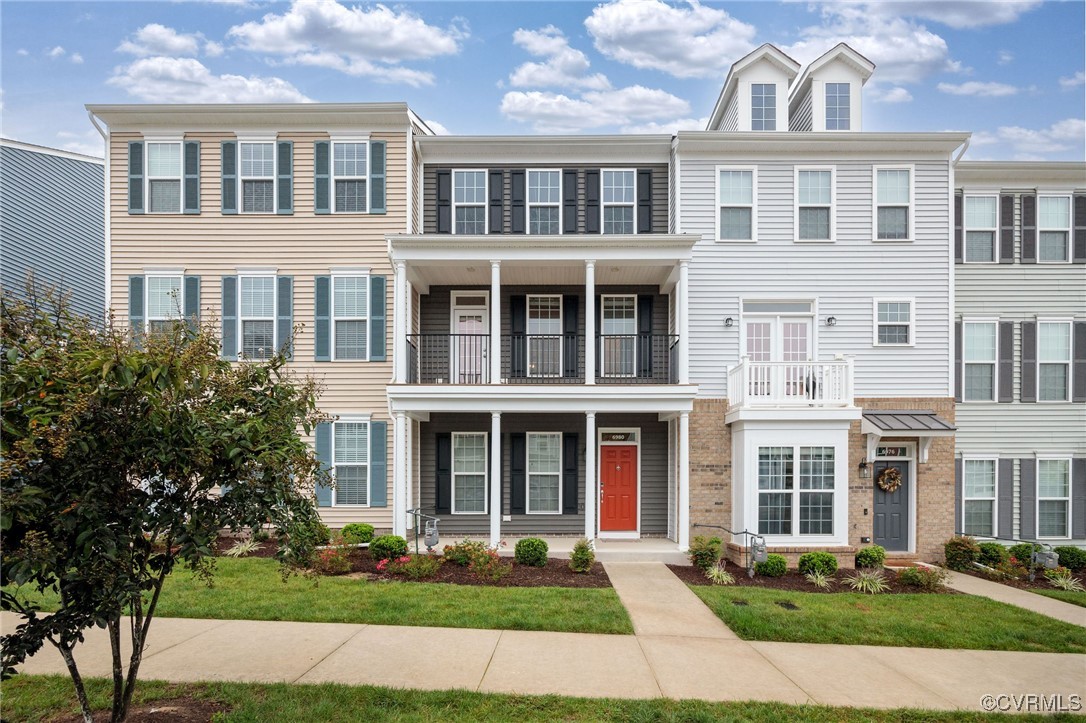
x=124 y=457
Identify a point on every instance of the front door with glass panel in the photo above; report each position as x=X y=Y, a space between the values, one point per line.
x=545 y=336
x=619 y=336
x=469 y=339
x=772 y=341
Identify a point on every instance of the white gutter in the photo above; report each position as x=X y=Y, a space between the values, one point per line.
x=105 y=189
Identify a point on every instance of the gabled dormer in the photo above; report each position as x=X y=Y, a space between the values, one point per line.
x=827 y=96
x=755 y=93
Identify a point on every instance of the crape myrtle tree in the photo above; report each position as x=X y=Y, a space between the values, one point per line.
x=125 y=455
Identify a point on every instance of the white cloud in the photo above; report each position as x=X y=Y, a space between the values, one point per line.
x=958 y=14
x=669 y=127
x=558 y=113
x=155 y=39
x=164 y=80
x=56 y=52
x=891 y=95
x=76 y=58
x=89 y=143
x=213 y=49
x=564 y=67
x=982 y=90
x=1005 y=57
x=1024 y=144
x=437 y=128
x=688 y=42
x=22 y=51
x=1074 y=81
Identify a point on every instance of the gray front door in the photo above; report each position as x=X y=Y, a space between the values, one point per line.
x=891 y=509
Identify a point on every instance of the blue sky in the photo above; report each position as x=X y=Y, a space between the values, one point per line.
x=1011 y=72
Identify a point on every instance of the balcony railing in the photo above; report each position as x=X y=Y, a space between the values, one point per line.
x=790 y=384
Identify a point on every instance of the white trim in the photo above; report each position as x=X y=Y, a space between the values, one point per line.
x=1037 y=494
x=717 y=205
x=348 y=137
x=832 y=206
x=749 y=106
x=966 y=228
x=913 y=475
x=632 y=205
x=332 y=178
x=528 y=336
x=1069 y=229
x=994 y=322
x=486 y=473
x=485 y=203
x=60 y=153
x=528 y=473
x=528 y=204
x=995 y=493
x=601 y=336
x=619 y=534
x=910 y=234
x=853 y=105
x=274 y=317
x=349 y=419
x=484 y=362
x=1069 y=323
x=875 y=319
x=332 y=309
x=273 y=142
x=421 y=399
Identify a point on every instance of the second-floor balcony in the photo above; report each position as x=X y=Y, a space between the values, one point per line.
x=789 y=384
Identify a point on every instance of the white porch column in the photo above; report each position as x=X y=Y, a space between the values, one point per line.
x=589 y=323
x=591 y=493
x=400 y=323
x=682 y=298
x=399 y=474
x=409 y=495
x=495 y=350
x=684 y=481
x=495 y=477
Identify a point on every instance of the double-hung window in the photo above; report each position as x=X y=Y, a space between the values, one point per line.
x=349 y=172
x=469 y=473
x=257 y=177
x=618 y=201
x=763 y=106
x=838 y=104
x=894 y=322
x=814 y=204
x=979 y=359
x=351 y=460
x=544 y=202
x=780 y=480
x=1053 y=498
x=257 y=318
x=544 y=473
x=350 y=312
x=164 y=302
x=980 y=229
x=979 y=497
x=735 y=196
x=545 y=336
x=164 y=183
x=893 y=204
x=816 y=478
x=1053 y=361
x=1053 y=228
x=469 y=202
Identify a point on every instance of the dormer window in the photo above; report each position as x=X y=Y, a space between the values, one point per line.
x=763 y=107
x=837 y=107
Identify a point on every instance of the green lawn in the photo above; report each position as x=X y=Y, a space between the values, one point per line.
x=252 y=589
x=1075 y=598
x=39 y=698
x=924 y=621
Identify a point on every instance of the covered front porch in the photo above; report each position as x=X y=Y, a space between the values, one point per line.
x=647 y=549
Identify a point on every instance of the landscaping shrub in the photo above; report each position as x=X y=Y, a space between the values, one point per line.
x=241 y=548
x=1073 y=558
x=873 y=556
x=992 y=554
x=718 y=575
x=1009 y=568
x=871 y=582
x=1023 y=552
x=928 y=579
x=705 y=551
x=822 y=562
x=819 y=579
x=774 y=566
x=332 y=560
x=961 y=552
x=531 y=551
x=582 y=557
x=1063 y=579
x=312 y=535
x=464 y=551
x=261 y=535
x=490 y=566
x=416 y=567
x=357 y=533
x=388 y=546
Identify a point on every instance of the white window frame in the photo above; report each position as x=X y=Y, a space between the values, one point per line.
x=796 y=491
x=1067 y=499
x=353 y=419
x=1069 y=362
x=753 y=170
x=1068 y=230
x=611 y=374
x=274 y=317
x=363 y=140
x=528 y=335
x=486 y=473
x=875 y=319
x=994 y=323
x=273 y=142
x=832 y=205
x=631 y=205
x=528 y=474
x=826 y=105
x=180 y=177
x=486 y=199
x=770 y=119
x=180 y=300
x=966 y=228
x=528 y=205
x=910 y=236
x=995 y=493
x=348 y=274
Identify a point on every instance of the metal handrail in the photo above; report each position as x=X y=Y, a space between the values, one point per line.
x=756 y=541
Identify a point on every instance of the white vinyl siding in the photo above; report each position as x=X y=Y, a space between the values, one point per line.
x=350 y=171
x=469 y=202
x=1053 y=229
x=544 y=202
x=350 y=455
x=618 y=201
x=350 y=315
x=1053 y=361
x=894 y=322
x=979 y=357
x=257 y=316
x=257 y=177
x=814 y=204
x=981 y=222
x=165 y=302
x=164 y=177
x=893 y=203
x=737 y=208
x=469 y=473
x=1053 y=498
x=544 y=473
x=979 y=497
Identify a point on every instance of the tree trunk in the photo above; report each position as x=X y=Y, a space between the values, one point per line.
x=80 y=690
x=119 y=711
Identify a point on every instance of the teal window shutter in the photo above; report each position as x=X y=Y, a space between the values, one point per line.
x=192 y=301
x=135 y=176
x=322 y=323
x=284 y=329
x=322 y=177
x=323 y=444
x=192 y=177
x=378 y=464
x=136 y=314
x=285 y=165
x=377 y=318
x=230 y=318
x=377 y=176
x=229 y=177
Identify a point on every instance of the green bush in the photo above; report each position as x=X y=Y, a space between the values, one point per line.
x=928 y=579
x=705 y=552
x=774 y=566
x=961 y=552
x=1073 y=558
x=822 y=562
x=992 y=554
x=531 y=551
x=357 y=533
x=869 y=582
x=490 y=566
x=388 y=547
x=873 y=556
x=416 y=567
x=309 y=536
x=463 y=552
x=582 y=557
x=1023 y=552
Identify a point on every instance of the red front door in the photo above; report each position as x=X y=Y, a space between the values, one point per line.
x=618 y=481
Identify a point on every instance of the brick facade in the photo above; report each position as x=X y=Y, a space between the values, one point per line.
x=710 y=466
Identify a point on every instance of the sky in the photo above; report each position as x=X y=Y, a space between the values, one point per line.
x=1011 y=71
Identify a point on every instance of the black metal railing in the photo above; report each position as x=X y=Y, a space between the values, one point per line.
x=449 y=358
x=543 y=358
x=637 y=358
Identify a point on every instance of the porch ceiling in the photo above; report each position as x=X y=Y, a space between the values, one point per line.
x=538 y=273
x=418 y=400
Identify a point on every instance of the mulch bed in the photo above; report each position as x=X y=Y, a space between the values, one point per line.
x=1040 y=583
x=172 y=710
x=265 y=549
x=555 y=574
x=792 y=581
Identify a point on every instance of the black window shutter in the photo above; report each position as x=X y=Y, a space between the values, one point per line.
x=959 y=372
x=570 y=484
x=1078 y=373
x=135 y=176
x=1027 y=496
x=958 y=494
x=496 y=191
x=444 y=201
x=644 y=335
x=192 y=177
x=1078 y=498
x=570 y=328
x=1006 y=229
x=958 y=249
x=1006 y=362
x=443 y=474
x=518 y=343
x=517 y=196
x=322 y=177
x=229 y=177
x=1079 y=254
x=592 y=200
x=285 y=150
x=569 y=201
x=1029 y=229
x=1005 y=487
x=518 y=473
x=1029 y=361
x=644 y=200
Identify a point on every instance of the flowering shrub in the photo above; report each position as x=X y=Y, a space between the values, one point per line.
x=462 y=552
x=488 y=565
x=332 y=561
x=415 y=567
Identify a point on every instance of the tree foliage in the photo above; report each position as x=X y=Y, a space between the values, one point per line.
x=123 y=457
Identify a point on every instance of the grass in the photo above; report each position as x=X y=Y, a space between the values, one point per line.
x=1067 y=596
x=252 y=589
x=924 y=621
x=40 y=698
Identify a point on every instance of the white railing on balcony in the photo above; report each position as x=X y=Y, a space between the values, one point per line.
x=790 y=384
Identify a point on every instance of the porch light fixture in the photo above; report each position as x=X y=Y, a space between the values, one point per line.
x=728 y=322
x=831 y=321
x=865 y=469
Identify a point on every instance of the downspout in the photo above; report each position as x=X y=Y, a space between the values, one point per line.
x=951 y=299
x=108 y=269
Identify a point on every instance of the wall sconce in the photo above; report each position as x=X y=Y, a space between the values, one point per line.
x=831 y=321
x=729 y=322
x=865 y=469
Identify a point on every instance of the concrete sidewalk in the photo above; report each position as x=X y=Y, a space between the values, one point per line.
x=1051 y=607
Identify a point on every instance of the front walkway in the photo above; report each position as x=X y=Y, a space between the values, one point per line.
x=1051 y=607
